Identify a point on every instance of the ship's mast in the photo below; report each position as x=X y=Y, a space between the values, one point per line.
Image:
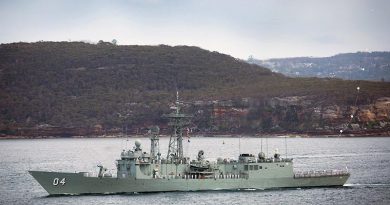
x=154 y=143
x=177 y=121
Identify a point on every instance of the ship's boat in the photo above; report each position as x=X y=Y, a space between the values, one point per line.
x=139 y=171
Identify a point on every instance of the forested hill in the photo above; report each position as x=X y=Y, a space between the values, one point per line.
x=75 y=84
x=374 y=66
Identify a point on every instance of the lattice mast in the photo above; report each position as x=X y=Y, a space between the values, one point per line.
x=177 y=121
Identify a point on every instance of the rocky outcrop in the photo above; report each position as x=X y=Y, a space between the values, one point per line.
x=366 y=115
x=291 y=114
x=301 y=113
x=332 y=113
x=382 y=108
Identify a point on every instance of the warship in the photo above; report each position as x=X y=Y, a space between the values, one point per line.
x=139 y=171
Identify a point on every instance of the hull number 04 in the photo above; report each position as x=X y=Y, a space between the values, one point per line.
x=57 y=181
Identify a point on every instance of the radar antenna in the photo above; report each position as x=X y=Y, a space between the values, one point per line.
x=177 y=121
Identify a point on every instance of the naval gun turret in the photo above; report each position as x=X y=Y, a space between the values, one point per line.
x=103 y=172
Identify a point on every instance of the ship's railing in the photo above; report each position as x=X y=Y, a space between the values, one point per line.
x=273 y=160
x=90 y=174
x=194 y=176
x=114 y=175
x=265 y=160
x=93 y=174
x=322 y=173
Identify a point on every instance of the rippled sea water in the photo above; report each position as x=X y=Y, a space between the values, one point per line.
x=368 y=160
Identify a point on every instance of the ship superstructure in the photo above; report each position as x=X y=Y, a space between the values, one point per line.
x=139 y=171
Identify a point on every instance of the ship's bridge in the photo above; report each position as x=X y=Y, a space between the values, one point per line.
x=136 y=153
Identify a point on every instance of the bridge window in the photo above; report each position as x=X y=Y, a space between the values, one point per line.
x=260 y=167
x=250 y=167
x=246 y=167
x=256 y=167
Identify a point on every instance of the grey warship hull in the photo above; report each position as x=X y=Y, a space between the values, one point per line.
x=78 y=183
x=139 y=171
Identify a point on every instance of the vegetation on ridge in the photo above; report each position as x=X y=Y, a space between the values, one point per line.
x=75 y=84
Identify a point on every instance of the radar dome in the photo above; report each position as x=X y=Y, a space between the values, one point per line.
x=137 y=143
x=261 y=155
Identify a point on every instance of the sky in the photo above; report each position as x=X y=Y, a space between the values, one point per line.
x=240 y=28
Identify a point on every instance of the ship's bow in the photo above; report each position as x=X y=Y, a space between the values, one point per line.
x=56 y=182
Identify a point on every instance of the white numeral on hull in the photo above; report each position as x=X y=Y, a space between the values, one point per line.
x=57 y=181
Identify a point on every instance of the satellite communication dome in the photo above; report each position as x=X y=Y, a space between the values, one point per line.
x=137 y=143
x=261 y=155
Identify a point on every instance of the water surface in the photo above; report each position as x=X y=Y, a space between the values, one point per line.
x=368 y=160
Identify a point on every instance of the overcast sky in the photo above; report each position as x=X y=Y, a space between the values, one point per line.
x=264 y=29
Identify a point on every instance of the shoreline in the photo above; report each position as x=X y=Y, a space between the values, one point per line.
x=268 y=135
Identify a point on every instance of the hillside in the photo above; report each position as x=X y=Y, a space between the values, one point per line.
x=373 y=66
x=104 y=86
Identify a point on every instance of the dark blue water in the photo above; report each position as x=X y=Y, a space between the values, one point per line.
x=368 y=160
